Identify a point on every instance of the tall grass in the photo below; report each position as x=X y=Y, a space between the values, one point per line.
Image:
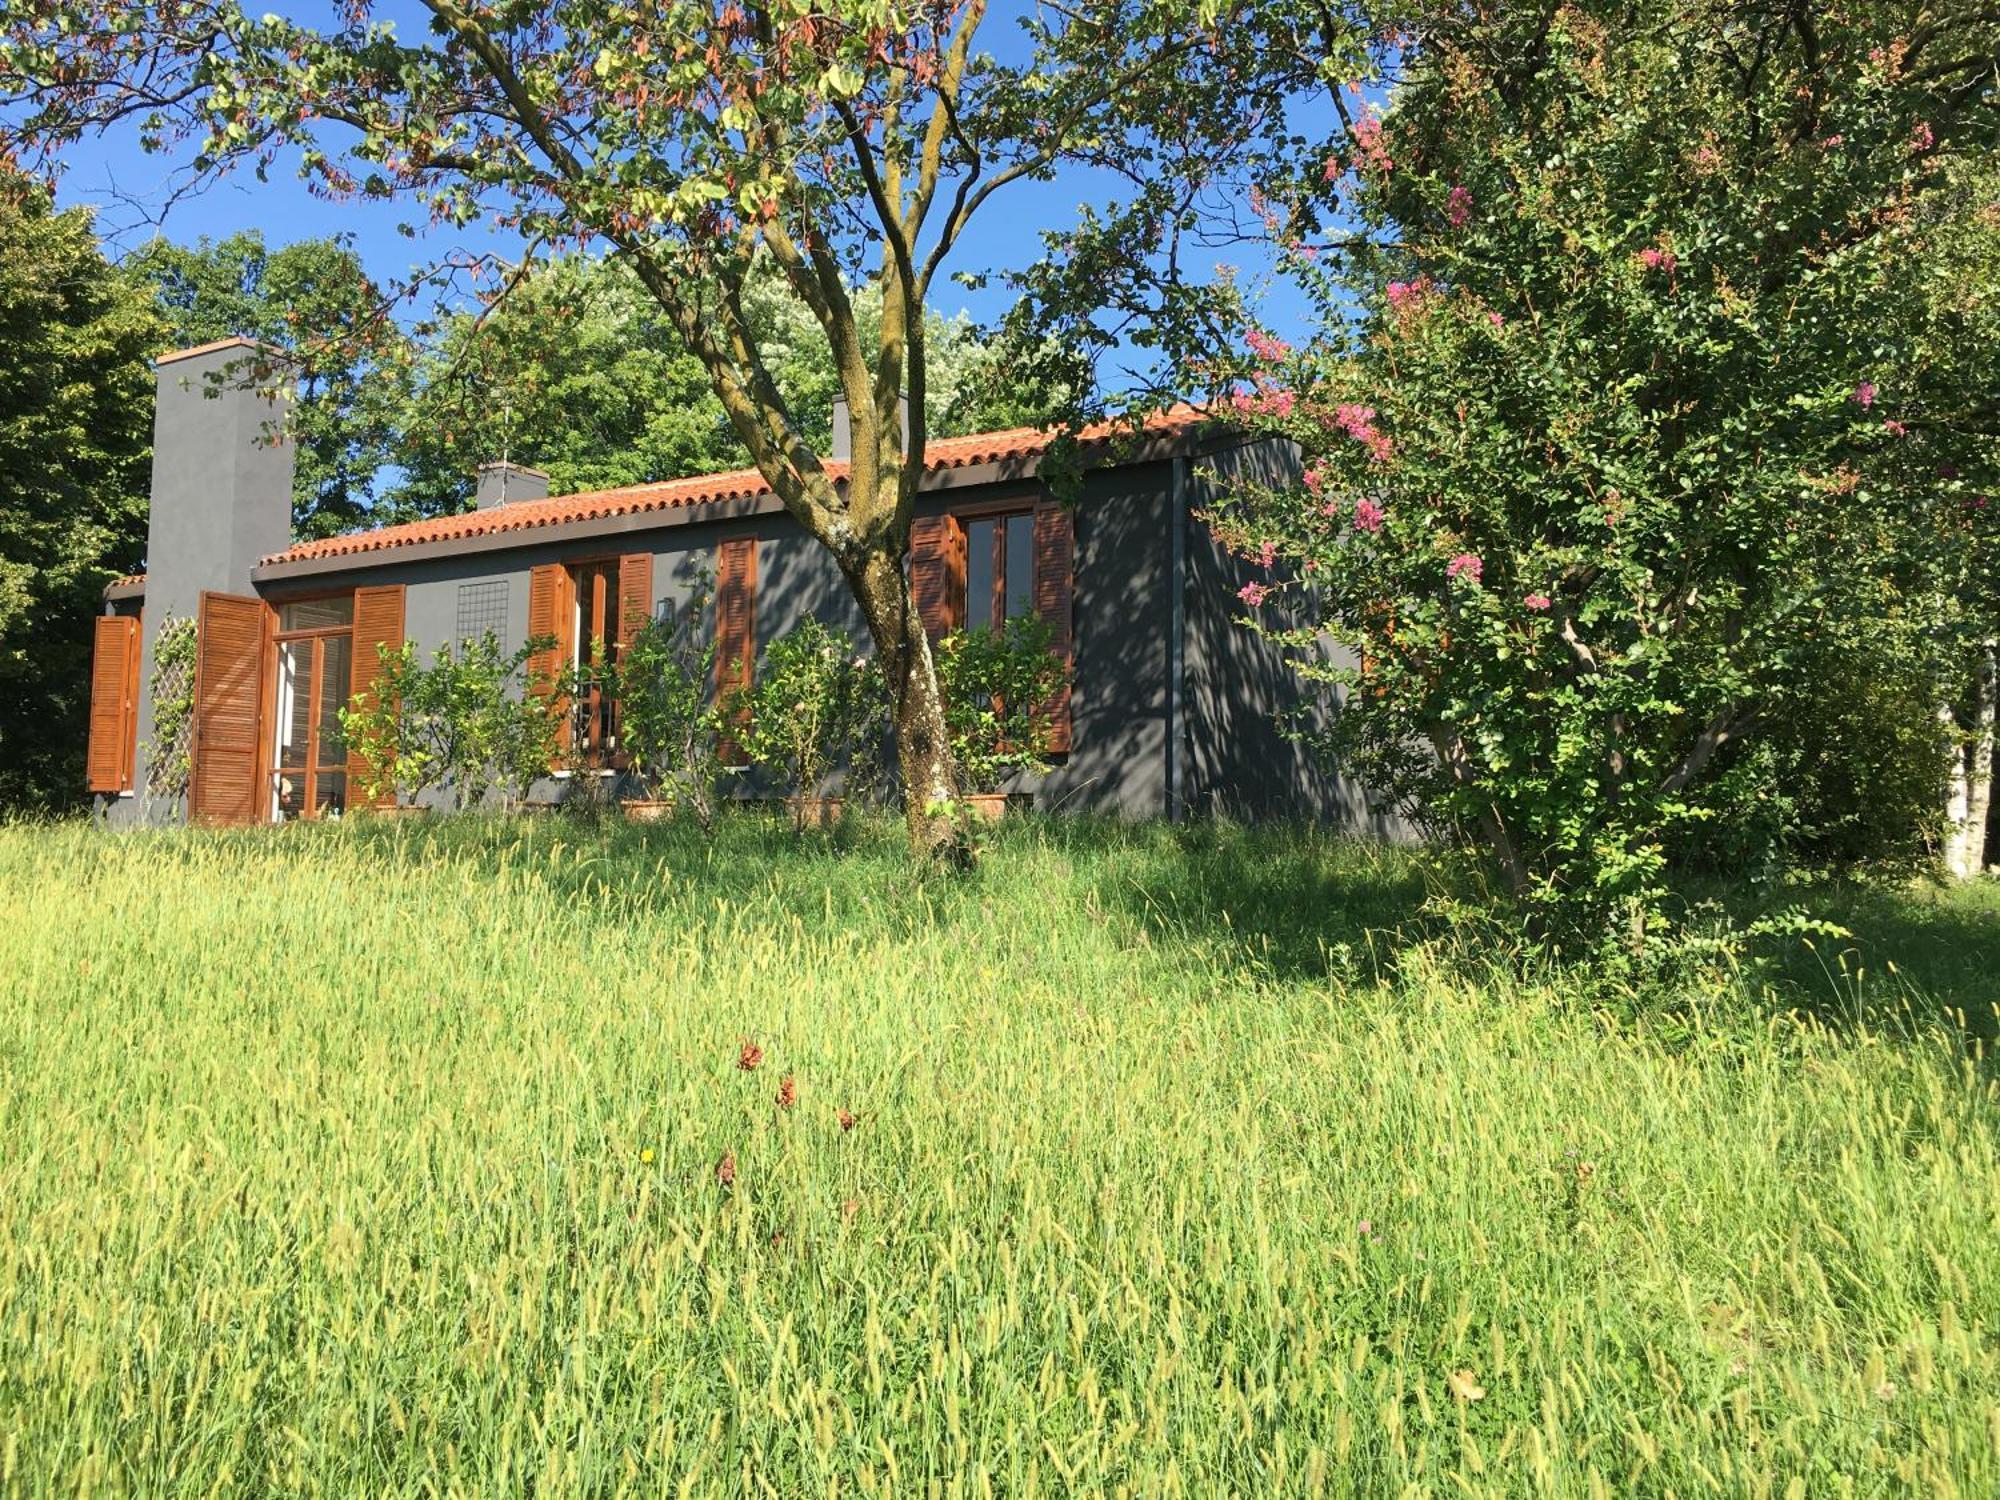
x=385 y=1161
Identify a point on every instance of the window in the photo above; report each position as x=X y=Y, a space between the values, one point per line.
x=482 y=607
x=594 y=731
x=999 y=569
x=315 y=655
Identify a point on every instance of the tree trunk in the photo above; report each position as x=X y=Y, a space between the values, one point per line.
x=923 y=749
x=1969 y=798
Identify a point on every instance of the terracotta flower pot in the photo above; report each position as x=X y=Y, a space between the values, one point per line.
x=989 y=807
x=819 y=812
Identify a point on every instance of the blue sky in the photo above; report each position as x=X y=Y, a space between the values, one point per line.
x=132 y=192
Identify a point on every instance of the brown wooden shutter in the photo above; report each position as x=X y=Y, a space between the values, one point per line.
x=378 y=624
x=1055 y=592
x=551 y=614
x=229 y=784
x=635 y=595
x=937 y=573
x=114 y=702
x=735 y=623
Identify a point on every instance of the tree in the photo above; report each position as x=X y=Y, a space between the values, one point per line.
x=1631 y=402
x=847 y=143
x=314 y=299
x=581 y=373
x=75 y=433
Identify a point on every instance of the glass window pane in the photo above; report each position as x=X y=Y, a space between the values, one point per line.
x=1020 y=566
x=330 y=794
x=336 y=653
x=979 y=574
x=294 y=700
x=316 y=614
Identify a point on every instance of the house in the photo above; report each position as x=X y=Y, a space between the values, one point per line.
x=1171 y=709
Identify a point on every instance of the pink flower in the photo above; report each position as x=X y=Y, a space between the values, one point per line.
x=1831 y=141
x=1465 y=565
x=1864 y=394
x=1368 y=148
x=1267 y=554
x=1537 y=602
x=1921 y=138
x=1495 y=319
x=1405 y=295
x=1358 y=422
x=1368 y=516
x=1706 y=156
x=1313 y=480
x=1265 y=347
x=1366 y=1229
x=1252 y=594
x=1894 y=428
x=1656 y=259
x=1458 y=206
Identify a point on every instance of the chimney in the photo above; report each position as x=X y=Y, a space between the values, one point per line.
x=843 y=428
x=504 y=483
x=222 y=483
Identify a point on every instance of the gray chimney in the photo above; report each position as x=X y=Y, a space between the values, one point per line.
x=843 y=428
x=503 y=483
x=222 y=484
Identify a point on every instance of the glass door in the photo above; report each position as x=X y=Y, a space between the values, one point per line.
x=315 y=672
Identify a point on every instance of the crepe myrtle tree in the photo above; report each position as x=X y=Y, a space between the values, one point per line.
x=1643 y=384
x=847 y=141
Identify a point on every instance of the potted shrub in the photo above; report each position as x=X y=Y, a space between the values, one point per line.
x=668 y=724
x=816 y=709
x=465 y=725
x=994 y=683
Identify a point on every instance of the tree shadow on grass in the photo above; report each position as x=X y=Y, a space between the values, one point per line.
x=1921 y=957
x=1284 y=901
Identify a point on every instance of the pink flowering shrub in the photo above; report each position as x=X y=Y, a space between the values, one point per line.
x=1562 y=522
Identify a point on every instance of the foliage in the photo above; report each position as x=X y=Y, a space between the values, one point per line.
x=847 y=144
x=994 y=682
x=312 y=299
x=75 y=429
x=476 y=1075
x=465 y=725
x=169 y=758
x=668 y=722
x=814 y=711
x=1629 y=414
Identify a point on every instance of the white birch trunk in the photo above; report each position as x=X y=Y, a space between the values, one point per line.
x=1969 y=797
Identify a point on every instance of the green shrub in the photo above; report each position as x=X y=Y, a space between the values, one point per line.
x=466 y=724
x=669 y=724
x=816 y=709
x=993 y=682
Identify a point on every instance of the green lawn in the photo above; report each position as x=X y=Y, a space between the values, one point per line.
x=383 y=1160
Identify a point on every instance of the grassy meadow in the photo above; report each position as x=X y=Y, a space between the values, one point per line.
x=386 y=1160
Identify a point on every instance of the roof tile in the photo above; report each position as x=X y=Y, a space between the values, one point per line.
x=701 y=489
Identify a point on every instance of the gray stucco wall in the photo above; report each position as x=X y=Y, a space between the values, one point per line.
x=1236 y=683
x=221 y=499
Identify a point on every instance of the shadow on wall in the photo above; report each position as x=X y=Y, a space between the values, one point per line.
x=1241 y=687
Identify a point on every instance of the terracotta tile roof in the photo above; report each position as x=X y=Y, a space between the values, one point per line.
x=130 y=580
x=235 y=341
x=701 y=489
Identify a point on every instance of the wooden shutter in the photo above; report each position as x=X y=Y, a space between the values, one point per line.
x=937 y=573
x=378 y=624
x=229 y=783
x=1055 y=591
x=114 y=703
x=635 y=595
x=735 y=623
x=551 y=614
